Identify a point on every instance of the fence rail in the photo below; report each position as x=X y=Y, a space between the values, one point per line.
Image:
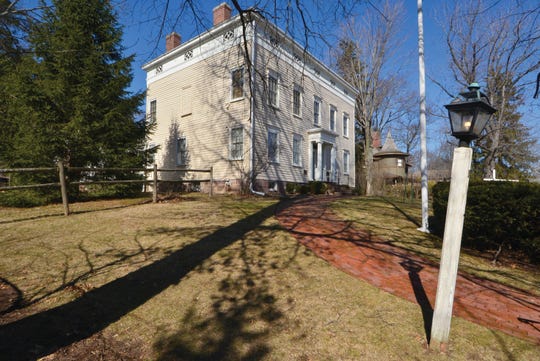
x=64 y=183
x=27 y=170
x=42 y=185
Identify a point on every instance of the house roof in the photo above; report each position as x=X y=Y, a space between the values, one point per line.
x=236 y=21
x=390 y=148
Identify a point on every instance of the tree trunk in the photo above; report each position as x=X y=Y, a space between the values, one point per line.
x=495 y=137
x=368 y=160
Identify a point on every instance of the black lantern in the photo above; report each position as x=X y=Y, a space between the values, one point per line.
x=469 y=114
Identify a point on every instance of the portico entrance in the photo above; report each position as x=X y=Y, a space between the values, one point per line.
x=322 y=155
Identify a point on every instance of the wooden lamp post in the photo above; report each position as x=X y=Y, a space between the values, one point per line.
x=468 y=117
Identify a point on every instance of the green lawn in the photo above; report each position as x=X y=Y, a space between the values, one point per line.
x=206 y=279
x=397 y=222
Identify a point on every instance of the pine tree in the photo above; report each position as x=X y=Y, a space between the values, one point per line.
x=12 y=25
x=507 y=142
x=72 y=103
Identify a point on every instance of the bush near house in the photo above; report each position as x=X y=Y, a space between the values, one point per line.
x=500 y=216
x=313 y=187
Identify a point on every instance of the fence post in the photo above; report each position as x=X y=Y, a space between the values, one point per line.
x=63 y=187
x=211 y=181
x=154 y=191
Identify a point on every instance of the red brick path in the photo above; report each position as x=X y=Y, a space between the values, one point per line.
x=406 y=275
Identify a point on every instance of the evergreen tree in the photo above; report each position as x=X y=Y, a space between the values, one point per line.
x=72 y=100
x=12 y=25
x=507 y=143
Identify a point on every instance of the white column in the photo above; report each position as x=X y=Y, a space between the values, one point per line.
x=319 y=172
x=333 y=164
x=453 y=229
x=310 y=161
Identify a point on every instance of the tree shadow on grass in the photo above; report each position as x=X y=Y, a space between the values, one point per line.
x=243 y=310
x=409 y=217
x=46 y=332
x=235 y=328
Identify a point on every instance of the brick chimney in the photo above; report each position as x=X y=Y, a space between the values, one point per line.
x=376 y=139
x=172 y=41
x=222 y=12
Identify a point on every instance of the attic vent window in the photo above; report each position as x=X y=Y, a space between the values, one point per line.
x=333 y=83
x=188 y=55
x=297 y=58
x=317 y=71
x=274 y=41
x=229 y=35
x=159 y=69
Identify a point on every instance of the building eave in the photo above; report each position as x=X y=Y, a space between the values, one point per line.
x=233 y=23
x=209 y=34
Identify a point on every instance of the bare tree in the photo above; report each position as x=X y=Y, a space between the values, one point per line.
x=365 y=54
x=498 y=45
x=406 y=128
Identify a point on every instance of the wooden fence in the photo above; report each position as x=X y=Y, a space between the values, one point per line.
x=63 y=182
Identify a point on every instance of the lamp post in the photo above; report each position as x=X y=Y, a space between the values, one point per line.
x=468 y=117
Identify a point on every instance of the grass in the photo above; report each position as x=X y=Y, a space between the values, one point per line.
x=205 y=279
x=397 y=222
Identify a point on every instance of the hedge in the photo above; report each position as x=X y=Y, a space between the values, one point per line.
x=499 y=216
x=313 y=187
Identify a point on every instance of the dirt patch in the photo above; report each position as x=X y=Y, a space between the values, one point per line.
x=98 y=347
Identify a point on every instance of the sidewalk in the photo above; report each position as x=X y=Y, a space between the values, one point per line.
x=406 y=275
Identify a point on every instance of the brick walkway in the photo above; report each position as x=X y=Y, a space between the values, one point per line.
x=406 y=275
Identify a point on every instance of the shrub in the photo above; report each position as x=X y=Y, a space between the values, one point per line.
x=291 y=188
x=105 y=191
x=313 y=187
x=25 y=198
x=499 y=216
x=303 y=189
x=317 y=187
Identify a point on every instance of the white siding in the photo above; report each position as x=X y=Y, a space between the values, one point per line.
x=192 y=90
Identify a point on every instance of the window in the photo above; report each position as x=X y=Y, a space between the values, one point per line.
x=273 y=146
x=297 y=101
x=400 y=163
x=316 y=111
x=346 y=159
x=185 y=101
x=333 y=118
x=153 y=111
x=345 y=125
x=297 y=150
x=237 y=90
x=274 y=40
x=229 y=35
x=181 y=151
x=273 y=91
x=237 y=143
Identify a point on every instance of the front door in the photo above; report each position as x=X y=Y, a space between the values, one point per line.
x=327 y=163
